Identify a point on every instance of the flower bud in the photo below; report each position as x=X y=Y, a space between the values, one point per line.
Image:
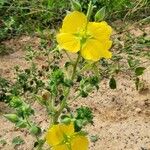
x=100 y=15
x=76 y=5
x=12 y=117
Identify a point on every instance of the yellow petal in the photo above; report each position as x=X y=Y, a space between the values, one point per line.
x=94 y=50
x=73 y=22
x=68 y=42
x=100 y=31
x=80 y=143
x=54 y=136
x=60 y=147
x=67 y=129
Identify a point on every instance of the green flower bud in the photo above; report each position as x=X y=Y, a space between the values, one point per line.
x=76 y=5
x=12 y=117
x=100 y=15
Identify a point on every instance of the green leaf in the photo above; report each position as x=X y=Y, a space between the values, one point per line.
x=35 y=130
x=27 y=110
x=3 y=142
x=100 y=15
x=68 y=83
x=133 y=63
x=84 y=116
x=18 y=141
x=76 y=5
x=112 y=83
x=94 y=138
x=82 y=133
x=83 y=93
x=65 y=119
x=139 y=71
x=21 y=124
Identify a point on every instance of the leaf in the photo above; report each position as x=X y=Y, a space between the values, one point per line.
x=21 y=124
x=2 y=3
x=3 y=142
x=112 y=83
x=94 y=138
x=132 y=63
x=18 y=141
x=65 y=119
x=100 y=15
x=76 y=5
x=35 y=130
x=139 y=71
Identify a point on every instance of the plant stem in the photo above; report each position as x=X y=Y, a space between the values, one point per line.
x=63 y=103
x=75 y=67
x=90 y=10
x=40 y=144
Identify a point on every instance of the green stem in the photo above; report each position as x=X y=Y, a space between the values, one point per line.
x=63 y=103
x=40 y=145
x=75 y=67
x=90 y=10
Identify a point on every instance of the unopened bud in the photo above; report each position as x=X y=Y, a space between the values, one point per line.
x=12 y=117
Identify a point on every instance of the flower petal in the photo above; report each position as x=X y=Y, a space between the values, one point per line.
x=67 y=129
x=100 y=31
x=68 y=42
x=73 y=22
x=94 y=50
x=80 y=143
x=54 y=136
x=60 y=147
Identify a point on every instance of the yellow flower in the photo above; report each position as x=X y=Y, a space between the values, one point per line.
x=92 y=39
x=63 y=137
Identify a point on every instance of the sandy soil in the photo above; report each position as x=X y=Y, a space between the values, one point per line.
x=121 y=116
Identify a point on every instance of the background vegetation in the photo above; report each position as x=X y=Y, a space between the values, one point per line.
x=22 y=16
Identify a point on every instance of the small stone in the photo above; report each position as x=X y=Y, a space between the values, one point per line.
x=138 y=110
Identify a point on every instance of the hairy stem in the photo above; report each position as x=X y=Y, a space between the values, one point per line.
x=66 y=95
